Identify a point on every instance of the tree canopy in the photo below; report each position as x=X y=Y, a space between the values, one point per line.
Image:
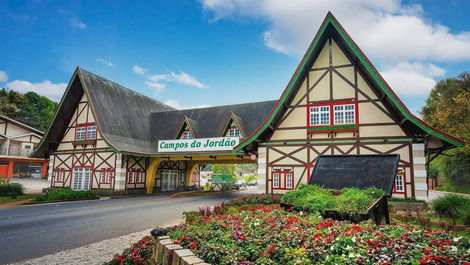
x=29 y=108
x=448 y=109
x=448 y=106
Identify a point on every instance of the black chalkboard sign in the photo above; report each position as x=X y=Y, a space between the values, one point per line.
x=359 y=171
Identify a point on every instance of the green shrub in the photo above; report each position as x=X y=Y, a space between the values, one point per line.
x=465 y=216
x=67 y=195
x=315 y=198
x=451 y=205
x=11 y=189
x=357 y=199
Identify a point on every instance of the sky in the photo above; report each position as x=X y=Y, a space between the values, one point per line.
x=196 y=53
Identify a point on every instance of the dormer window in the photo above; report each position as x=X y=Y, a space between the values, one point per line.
x=234 y=132
x=187 y=135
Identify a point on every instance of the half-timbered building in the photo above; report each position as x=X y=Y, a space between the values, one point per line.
x=17 y=142
x=105 y=136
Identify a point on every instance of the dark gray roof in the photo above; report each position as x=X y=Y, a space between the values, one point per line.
x=209 y=122
x=132 y=122
x=123 y=114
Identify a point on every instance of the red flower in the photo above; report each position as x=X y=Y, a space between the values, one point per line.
x=427 y=251
x=193 y=246
x=449 y=260
x=423 y=261
x=119 y=258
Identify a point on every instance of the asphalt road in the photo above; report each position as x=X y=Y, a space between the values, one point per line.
x=33 y=231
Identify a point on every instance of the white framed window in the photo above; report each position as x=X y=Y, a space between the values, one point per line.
x=187 y=134
x=344 y=114
x=400 y=183
x=319 y=115
x=139 y=177
x=91 y=132
x=275 y=180
x=80 y=133
x=136 y=177
x=131 y=178
x=234 y=132
x=106 y=176
x=59 y=176
x=289 y=180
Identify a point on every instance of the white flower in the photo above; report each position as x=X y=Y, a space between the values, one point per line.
x=454 y=248
x=351 y=255
x=456 y=239
x=353 y=239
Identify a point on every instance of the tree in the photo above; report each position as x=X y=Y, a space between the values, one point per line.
x=228 y=169
x=30 y=108
x=448 y=108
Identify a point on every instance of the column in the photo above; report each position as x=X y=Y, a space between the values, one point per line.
x=262 y=169
x=419 y=171
x=120 y=174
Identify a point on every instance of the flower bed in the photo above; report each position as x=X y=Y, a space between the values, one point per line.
x=315 y=198
x=254 y=199
x=139 y=253
x=273 y=236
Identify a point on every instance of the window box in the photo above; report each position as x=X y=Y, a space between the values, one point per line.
x=84 y=142
x=335 y=128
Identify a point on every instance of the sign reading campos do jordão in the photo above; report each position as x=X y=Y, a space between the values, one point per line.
x=198 y=145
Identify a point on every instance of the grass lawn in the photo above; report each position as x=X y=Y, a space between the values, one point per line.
x=7 y=199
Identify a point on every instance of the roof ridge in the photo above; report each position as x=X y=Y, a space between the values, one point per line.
x=125 y=88
x=220 y=106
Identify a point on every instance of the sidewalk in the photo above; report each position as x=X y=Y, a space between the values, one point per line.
x=95 y=253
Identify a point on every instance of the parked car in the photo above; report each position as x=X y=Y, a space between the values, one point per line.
x=253 y=183
x=239 y=184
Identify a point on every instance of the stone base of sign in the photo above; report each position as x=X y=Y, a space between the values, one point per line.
x=165 y=252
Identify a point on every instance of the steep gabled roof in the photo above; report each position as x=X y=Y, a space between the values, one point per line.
x=331 y=27
x=122 y=115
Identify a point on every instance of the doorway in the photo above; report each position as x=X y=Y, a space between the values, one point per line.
x=82 y=178
x=168 y=181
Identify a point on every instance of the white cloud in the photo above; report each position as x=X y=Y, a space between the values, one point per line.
x=74 y=21
x=139 y=70
x=177 y=105
x=412 y=79
x=158 y=86
x=3 y=76
x=105 y=62
x=384 y=29
x=180 y=78
x=44 y=88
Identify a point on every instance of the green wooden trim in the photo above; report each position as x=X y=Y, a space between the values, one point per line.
x=402 y=140
x=334 y=127
x=51 y=122
x=331 y=20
